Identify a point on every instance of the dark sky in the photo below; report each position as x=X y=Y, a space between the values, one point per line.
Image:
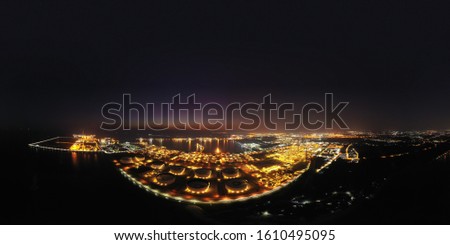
x=61 y=61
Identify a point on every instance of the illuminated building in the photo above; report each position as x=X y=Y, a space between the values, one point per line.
x=203 y=173
x=197 y=186
x=177 y=170
x=139 y=158
x=126 y=160
x=156 y=164
x=237 y=186
x=230 y=173
x=85 y=143
x=164 y=179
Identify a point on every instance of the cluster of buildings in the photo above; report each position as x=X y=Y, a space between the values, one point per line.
x=87 y=143
x=219 y=176
x=197 y=157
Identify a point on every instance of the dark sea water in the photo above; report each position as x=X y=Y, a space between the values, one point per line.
x=210 y=145
x=51 y=187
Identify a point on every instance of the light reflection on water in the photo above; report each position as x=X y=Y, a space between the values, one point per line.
x=74 y=157
x=210 y=144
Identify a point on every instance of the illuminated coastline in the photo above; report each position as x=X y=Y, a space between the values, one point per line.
x=215 y=175
x=79 y=143
x=209 y=170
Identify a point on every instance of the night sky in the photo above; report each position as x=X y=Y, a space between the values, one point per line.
x=61 y=61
